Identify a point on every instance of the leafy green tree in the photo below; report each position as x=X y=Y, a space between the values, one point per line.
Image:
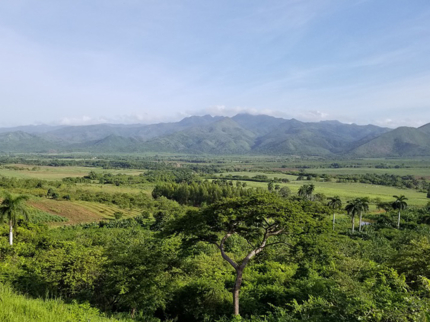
x=399 y=204
x=335 y=204
x=256 y=219
x=284 y=192
x=306 y=191
x=270 y=186
x=12 y=208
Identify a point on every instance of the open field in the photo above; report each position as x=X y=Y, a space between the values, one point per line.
x=79 y=211
x=347 y=191
x=24 y=171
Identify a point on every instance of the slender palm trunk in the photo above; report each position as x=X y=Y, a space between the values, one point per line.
x=10 y=232
x=236 y=290
x=334 y=219
x=353 y=223
x=398 y=221
x=359 y=222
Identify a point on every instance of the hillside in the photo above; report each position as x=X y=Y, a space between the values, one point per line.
x=24 y=142
x=323 y=138
x=224 y=137
x=403 y=141
x=241 y=134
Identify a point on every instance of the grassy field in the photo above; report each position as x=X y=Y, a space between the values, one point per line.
x=347 y=191
x=23 y=171
x=79 y=211
x=18 y=308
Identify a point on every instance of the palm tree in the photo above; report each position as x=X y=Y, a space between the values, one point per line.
x=352 y=208
x=364 y=207
x=334 y=203
x=302 y=191
x=11 y=208
x=310 y=189
x=357 y=206
x=399 y=204
x=306 y=191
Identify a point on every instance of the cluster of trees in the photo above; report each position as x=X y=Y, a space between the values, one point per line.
x=196 y=194
x=265 y=257
x=408 y=181
x=393 y=180
x=151 y=176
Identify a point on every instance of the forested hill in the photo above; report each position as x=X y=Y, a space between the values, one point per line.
x=241 y=134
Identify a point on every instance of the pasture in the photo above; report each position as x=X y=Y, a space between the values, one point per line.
x=345 y=191
x=23 y=171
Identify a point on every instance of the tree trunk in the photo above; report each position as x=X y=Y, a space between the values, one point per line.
x=398 y=221
x=359 y=228
x=236 y=290
x=353 y=224
x=334 y=219
x=11 y=232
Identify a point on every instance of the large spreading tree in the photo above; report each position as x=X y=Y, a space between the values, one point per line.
x=261 y=220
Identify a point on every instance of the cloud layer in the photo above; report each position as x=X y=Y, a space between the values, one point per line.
x=80 y=62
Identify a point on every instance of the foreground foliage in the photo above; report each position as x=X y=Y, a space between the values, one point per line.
x=18 y=308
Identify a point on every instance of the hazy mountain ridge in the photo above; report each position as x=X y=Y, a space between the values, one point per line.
x=241 y=134
x=403 y=141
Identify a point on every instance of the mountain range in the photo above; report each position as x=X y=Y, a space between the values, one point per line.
x=241 y=134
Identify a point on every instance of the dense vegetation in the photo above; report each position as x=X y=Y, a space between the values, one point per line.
x=198 y=246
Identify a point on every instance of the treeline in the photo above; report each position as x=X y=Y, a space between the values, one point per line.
x=99 y=162
x=174 y=175
x=256 y=178
x=397 y=181
x=408 y=181
x=126 y=163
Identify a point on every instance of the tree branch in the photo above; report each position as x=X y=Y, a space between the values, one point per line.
x=277 y=243
x=223 y=254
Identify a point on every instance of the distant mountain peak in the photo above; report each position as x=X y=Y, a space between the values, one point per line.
x=242 y=133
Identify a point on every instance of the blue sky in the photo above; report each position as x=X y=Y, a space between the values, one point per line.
x=130 y=61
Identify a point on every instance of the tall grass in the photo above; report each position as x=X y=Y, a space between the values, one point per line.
x=18 y=308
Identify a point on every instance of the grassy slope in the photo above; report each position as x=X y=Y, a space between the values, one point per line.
x=79 y=211
x=18 y=308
